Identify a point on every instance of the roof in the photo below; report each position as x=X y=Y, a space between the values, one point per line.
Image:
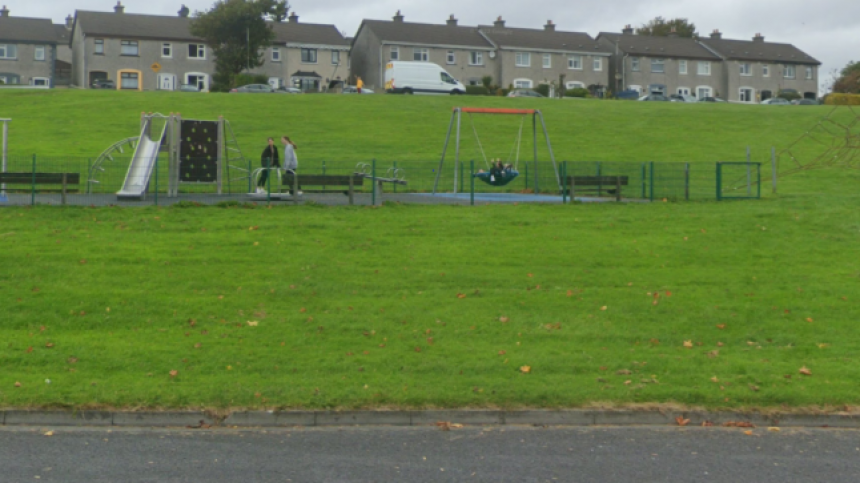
x=759 y=51
x=22 y=29
x=63 y=34
x=656 y=46
x=535 y=39
x=425 y=34
x=163 y=27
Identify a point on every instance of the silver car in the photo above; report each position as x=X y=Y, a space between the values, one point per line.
x=354 y=90
x=255 y=88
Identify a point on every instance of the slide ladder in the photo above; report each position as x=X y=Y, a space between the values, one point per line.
x=142 y=163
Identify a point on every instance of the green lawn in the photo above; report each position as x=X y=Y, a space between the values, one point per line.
x=431 y=306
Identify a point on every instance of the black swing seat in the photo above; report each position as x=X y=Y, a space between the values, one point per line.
x=493 y=179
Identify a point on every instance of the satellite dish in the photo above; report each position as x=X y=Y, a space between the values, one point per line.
x=492 y=54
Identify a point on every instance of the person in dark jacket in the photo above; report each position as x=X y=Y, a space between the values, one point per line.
x=269 y=159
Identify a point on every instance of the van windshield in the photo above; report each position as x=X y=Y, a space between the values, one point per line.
x=447 y=78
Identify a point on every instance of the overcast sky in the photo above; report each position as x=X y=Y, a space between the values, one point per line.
x=828 y=30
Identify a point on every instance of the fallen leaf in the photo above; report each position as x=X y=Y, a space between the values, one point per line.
x=681 y=421
x=627 y=382
x=719 y=344
x=17 y=384
x=303 y=310
x=713 y=354
x=29 y=349
x=461 y=295
x=748 y=433
x=417 y=349
x=570 y=293
x=174 y=373
x=503 y=320
x=714 y=379
x=707 y=424
x=773 y=429
x=49 y=345
x=83 y=261
x=530 y=275
x=721 y=326
x=430 y=341
x=526 y=369
x=624 y=372
x=501 y=353
x=754 y=387
x=253 y=323
x=655 y=341
x=809 y=319
x=806 y=372
x=49 y=433
x=603 y=308
x=688 y=344
x=822 y=346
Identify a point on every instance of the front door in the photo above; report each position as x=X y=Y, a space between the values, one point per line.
x=166 y=82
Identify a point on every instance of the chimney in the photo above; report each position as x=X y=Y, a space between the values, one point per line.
x=452 y=22
x=184 y=11
x=294 y=18
x=673 y=32
x=119 y=8
x=549 y=27
x=499 y=23
x=758 y=38
x=716 y=35
x=398 y=17
x=70 y=22
x=4 y=12
x=627 y=30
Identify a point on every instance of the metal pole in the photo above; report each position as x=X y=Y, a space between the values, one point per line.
x=749 y=173
x=220 y=165
x=5 y=150
x=563 y=187
x=457 y=149
x=472 y=182
x=461 y=177
x=549 y=147
x=773 y=168
x=534 y=141
x=444 y=150
x=719 y=182
x=395 y=176
x=33 y=184
x=250 y=175
x=643 y=180
x=156 y=180
x=758 y=181
x=687 y=181
x=373 y=183
x=652 y=181
x=599 y=181
x=526 y=176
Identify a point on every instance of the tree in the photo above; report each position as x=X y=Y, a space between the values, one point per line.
x=849 y=79
x=236 y=32
x=660 y=27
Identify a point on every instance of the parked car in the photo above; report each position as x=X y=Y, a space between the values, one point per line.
x=804 y=102
x=288 y=90
x=776 y=101
x=420 y=77
x=628 y=95
x=104 y=84
x=354 y=90
x=682 y=98
x=711 y=99
x=524 y=93
x=255 y=88
x=655 y=97
x=189 y=88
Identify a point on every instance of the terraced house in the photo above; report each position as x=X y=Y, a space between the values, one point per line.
x=154 y=52
x=33 y=51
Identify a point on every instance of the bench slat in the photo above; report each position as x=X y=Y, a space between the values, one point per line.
x=40 y=178
x=324 y=180
x=597 y=180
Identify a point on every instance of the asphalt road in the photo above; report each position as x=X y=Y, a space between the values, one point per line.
x=509 y=454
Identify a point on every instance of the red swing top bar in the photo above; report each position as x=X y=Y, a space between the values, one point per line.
x=488 y=110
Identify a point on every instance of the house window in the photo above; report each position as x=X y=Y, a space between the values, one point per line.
x=683 y=91
x=765 y=70
x=99 y=47
x=746 y=69
x=198 y=79
x=658 y=66
x=598 y=64
x=523 y=59
x=547 y=61
x=451 y=57
x=309 y=56
x=634 y=64
x=703 y=92
x=129 y=47
x=809 y=73
x=395 y=53
x=40 y=81
x=8 y=51
x=574 y=85
x=574 y=62
x=704 y=69
x=746 y=94
x=523 y=83
x=476 y=58
x=39 y=53
x=421 y=55
x=196 y=51
x=167 y=50
x=682 y=67
x=276 y=54
x=635 y=88
x=335 y=57
x=129 y=80
x=789 y=72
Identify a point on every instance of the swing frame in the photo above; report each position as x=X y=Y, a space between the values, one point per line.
x=457 y=116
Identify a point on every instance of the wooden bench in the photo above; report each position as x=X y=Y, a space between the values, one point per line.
x=324 y=180
x=63 y=179
x=610 y=184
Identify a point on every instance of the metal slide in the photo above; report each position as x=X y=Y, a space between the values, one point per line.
x=140 y=169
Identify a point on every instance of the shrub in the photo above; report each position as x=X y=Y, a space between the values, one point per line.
x=842 y=100
x=542 y=89
x=245 y=79
x=502 y=92
x=789 y=95
x=576 y=92
x=487 y=81
x=477 y=91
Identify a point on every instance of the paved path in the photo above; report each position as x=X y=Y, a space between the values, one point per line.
x=427 y=454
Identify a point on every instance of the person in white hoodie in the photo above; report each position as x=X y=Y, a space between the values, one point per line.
x=291 y=162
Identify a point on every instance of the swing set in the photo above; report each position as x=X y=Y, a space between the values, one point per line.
x=493 y=176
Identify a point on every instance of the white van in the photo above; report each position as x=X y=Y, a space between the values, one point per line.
x=420 y=78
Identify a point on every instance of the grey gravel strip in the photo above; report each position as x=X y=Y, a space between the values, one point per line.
x=477 y=417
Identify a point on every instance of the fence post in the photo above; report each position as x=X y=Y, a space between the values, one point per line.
x=250 y=175
x=749 y=173
x=269 y=182
x=773 y=167
x=461 y=177
x=652 y=181
x=758 y=181
x=373 y=182
x=156 y=181
x=527 y=177
x=323 y=172
x=599 y=181
x=719 y=183
x=33 y=184
x=394 y=173
x=643 y=181
x=564 y=182
x=687 y=181
x=471 y=182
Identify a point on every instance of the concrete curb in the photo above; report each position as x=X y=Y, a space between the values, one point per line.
x=476 y=417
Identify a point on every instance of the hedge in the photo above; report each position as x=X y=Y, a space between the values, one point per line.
x=843 y=100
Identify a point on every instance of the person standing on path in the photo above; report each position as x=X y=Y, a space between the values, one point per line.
x=269 y=159
x=291 y=162
x=359 y=84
